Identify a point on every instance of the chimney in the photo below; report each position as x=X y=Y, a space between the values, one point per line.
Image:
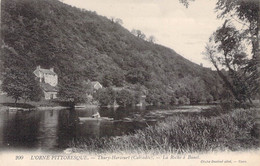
x=51 y=69
x=38 y=67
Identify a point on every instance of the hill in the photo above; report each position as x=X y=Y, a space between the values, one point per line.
x=88 y=46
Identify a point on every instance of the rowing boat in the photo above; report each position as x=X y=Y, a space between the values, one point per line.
x=97 y=119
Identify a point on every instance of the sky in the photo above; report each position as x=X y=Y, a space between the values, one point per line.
x=185 y=30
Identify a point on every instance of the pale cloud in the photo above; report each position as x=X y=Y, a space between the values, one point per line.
x=184 y=30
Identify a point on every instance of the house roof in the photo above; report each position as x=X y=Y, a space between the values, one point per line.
x=47 y=71
x=48 y=88
x=94 y=83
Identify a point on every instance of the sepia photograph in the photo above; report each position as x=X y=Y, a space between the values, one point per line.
x=130 y=82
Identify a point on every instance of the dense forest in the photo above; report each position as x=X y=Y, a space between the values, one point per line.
x=81 y=46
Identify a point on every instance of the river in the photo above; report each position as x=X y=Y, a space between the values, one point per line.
x=53 y=130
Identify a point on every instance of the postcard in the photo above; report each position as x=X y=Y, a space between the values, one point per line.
x=130 y=82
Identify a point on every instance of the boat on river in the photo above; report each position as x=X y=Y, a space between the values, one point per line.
x=95 y=119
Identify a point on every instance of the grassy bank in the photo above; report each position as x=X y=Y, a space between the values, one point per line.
x=235 y=130
x=30 y=104
x=6 y=102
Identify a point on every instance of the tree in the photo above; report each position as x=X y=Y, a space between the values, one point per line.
x=225 y=47
x=138 y=34
x=119 y=21
x=114 y=77
x=72 y=89
x=153 y=98
x=151 y=39
x=107 y=80
x=118 y=78
x=138 y=75
x=124 y=98
x=53 y=34
x=105 y=96
x=193 y=88
x=209 y=98
x=245 y=13
x=215 y=56
x=21 y=84
x=186 y=2
x=116 y=20
x=173 y=100
x=183 y=100
x=18 y=78
x=36 y=92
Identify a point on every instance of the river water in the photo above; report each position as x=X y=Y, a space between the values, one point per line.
x=53 y=130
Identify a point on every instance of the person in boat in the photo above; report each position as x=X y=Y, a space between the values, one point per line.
x=96 y=115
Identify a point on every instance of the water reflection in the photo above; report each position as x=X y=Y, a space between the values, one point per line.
x=67 y=126
x=54 y=129
x=20 y=129
x=48 y=129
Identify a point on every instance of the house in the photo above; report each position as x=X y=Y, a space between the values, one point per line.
x=96 y=85
x=48 y=82
x=50 y=92
x=91 y=89
x=46 y=76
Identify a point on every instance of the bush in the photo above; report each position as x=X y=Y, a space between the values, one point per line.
x=183 y=100
x=105 y=96
x=124 y=98
x=209 y=98
x=173 y=101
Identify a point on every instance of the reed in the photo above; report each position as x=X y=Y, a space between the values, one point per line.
x=235 y=130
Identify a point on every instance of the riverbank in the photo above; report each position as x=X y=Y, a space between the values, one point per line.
x=235 y=130
x=40 y=106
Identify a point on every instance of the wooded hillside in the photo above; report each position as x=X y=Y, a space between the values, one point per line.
x=88 y=46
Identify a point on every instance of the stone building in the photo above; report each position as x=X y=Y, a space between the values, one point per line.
x=48 y=81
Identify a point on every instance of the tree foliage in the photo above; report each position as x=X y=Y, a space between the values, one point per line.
x=151 y=39
x=124 y=98
x=105 y=96
x=226 y=48
x=116 y=20
x=186 y=2
x=138 y=75
x=138 y=33
x=72 y=89
x=18 y=80
x=115 y=78
x=21 y=85
x=52 y=34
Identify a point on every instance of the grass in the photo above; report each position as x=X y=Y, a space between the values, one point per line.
x=234 y=130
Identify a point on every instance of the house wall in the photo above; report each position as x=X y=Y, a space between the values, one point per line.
x=47 y=78
x=51 y=79
x=50 y=95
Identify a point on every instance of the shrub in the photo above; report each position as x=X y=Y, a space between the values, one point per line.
x=105 y=96
x=124 y=98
